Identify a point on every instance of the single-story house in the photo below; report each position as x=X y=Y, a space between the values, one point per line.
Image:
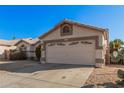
x=27 y=45
x=71 y=42
x=6 y=45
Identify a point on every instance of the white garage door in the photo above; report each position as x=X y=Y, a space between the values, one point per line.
x=81 y=52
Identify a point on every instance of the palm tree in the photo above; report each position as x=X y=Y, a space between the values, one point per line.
x=116 y=44
x=14 y=37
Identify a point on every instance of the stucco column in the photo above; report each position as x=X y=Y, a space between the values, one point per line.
x=100 y=58
x=43 y=50
x=100 y=54
x=28 y=52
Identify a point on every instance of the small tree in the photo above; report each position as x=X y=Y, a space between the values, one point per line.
x=38 y=52
x=116 y=46
x=121 y=74
x=14 y=37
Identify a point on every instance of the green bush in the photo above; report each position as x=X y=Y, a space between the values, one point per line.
x=18 y=56
x=121 y=74
x=38 y=52
x=119 y=57
x=122 y=53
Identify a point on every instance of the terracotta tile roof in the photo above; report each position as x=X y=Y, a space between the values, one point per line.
x=13 y=42
x=3 y=42
x=31 y=41
x=103 y=30
x=8 y=42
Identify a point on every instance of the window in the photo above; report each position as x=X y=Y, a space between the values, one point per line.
x=66 y=29
x=22 y=48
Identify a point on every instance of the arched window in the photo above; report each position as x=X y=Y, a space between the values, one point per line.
x=66 y=29
x=23 y=47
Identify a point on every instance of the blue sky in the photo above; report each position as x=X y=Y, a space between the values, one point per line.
x=33 y=21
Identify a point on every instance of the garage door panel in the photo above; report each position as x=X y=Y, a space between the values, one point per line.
x=70 y=61
x=71 y=54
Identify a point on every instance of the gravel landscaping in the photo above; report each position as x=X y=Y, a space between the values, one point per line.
x=104 y=78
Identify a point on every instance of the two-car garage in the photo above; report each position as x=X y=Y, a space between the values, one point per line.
x=74 y=52
x=71 y=42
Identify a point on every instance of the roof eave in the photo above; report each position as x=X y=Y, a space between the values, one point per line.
x=75 y=23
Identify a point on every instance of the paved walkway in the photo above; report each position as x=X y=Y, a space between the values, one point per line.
x=29 y=74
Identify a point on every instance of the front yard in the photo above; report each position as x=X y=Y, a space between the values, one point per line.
x=104 y=77
x=30 y=74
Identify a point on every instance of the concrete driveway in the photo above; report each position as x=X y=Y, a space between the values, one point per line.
x=30 y=74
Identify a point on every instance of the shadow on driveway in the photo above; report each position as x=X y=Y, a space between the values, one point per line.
x=30 y=67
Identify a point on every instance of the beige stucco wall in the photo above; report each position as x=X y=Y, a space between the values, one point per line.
x=28 y=49
x=2 y=51
x=22 y=43
x=77 y=32
x=104 y=44
x=82 y=32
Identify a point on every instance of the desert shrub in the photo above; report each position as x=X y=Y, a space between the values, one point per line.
x=122 y=53
x=119 y=57
x=115 y=59
x=121 y=74
x=18 y=56
x=38 y=52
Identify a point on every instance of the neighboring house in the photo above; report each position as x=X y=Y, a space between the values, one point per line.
x=6 y=45
x=75 y=43
x=27 y=45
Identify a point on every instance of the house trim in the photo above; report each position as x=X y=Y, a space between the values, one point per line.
x=96 y=38
x=104 y=31
x=21 y=41
x=71 y=29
